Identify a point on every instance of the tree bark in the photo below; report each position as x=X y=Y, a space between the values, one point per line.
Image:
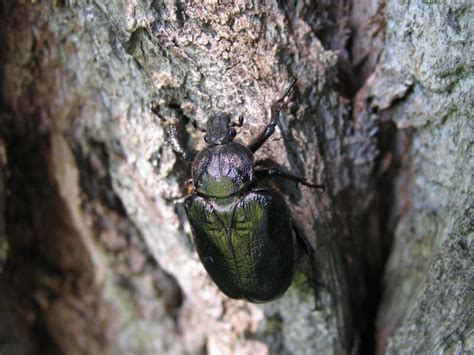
x=424 y=84
x=95 y=250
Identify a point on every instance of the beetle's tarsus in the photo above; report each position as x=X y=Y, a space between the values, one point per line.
x=196 y=126
x=287 y=92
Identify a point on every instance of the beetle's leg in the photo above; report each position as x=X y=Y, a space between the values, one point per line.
x=274 y=171
x=196 y=126
x=269 y=129
x=173 y=136
x=188 y=186
x=308 y=248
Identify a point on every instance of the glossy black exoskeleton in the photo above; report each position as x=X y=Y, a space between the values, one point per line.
x=241 y=225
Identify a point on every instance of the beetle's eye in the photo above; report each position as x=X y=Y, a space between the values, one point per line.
x=206 y=140
x=233 y=133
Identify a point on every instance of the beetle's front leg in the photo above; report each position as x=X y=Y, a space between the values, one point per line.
x=174 y=137
x=275 y=171
x=269 y=129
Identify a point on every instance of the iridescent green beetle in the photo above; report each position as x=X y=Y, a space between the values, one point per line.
x=241 y=226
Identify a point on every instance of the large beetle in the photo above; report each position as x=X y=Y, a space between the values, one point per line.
x=241 y=225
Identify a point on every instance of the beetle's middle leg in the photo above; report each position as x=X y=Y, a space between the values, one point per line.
x=269 y=129
x=275 y=171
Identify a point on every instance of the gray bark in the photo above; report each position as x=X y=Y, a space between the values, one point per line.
x=96 y=256
x=428 y=298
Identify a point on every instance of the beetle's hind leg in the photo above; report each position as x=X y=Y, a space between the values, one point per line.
x=309 y=250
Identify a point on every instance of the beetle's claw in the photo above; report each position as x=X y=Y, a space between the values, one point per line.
x=287 y=92
x=155 y=108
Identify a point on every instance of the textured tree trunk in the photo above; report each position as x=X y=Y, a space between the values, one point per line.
x=95 y=250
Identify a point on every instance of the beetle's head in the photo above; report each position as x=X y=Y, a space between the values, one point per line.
x=219 y=129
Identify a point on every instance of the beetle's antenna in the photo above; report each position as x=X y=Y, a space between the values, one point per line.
x=196 y=126
x=287 y=92
x=239 y=124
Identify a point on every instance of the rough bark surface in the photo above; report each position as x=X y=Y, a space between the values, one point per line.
x=96 y=254
x=424 y=83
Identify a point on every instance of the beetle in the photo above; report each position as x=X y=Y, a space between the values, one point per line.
x=241 y=225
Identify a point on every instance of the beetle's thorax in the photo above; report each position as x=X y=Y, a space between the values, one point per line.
x=222 y=170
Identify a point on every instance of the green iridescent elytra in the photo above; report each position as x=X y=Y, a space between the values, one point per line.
x=246 y=244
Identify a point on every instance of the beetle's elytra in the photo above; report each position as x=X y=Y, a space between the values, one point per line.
x=241 y=226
